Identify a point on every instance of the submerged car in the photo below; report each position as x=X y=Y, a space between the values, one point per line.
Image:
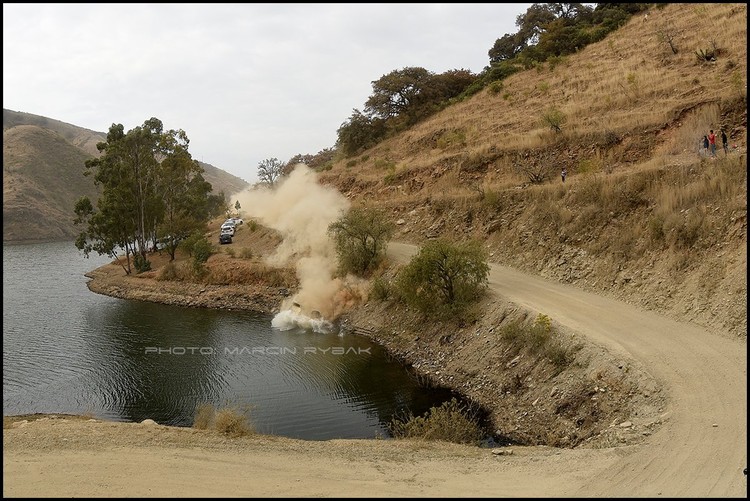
x=225 y=238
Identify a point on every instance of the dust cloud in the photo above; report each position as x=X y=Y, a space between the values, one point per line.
x=301 y=209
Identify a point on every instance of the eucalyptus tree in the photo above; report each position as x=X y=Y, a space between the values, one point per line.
x=150 y=186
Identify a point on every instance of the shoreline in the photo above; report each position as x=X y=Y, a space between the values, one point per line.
x=512 y=415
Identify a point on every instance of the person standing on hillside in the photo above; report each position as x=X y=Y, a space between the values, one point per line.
x=705 y=145
x=724 y=142
x=712 y=142
x=564 y=174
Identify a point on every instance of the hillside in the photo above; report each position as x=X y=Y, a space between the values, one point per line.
x=43 y=165
x=642 y=216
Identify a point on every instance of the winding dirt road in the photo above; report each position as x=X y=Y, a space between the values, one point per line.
x=702 y=449
x=699 y=451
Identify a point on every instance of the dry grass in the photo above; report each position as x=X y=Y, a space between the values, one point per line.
x=614 y=85
x=230 y=421
x=450 y=422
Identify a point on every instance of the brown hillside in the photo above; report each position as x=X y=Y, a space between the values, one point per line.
x=43 y=166
x=642 y=214
x=40 y=184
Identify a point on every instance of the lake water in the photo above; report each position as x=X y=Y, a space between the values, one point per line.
x=69 y=350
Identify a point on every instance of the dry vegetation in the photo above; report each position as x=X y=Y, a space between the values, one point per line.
x=642 y=214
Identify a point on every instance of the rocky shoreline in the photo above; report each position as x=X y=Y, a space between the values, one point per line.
x=110 y=280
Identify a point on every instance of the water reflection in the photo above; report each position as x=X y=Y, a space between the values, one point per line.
x=66 y=349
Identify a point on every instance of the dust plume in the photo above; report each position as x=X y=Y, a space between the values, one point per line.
x=301 y=209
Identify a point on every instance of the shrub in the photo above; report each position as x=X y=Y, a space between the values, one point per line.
x=444 y=278
x=230 y=421
x=246 y=253
x=230 y=251
x=361 y=237
x=538 y=338
x=168 y=272
x=141 y=263
x=380 y=289
x=451 y=422
x=554 y=119
x=204 y=417
x=190 y=241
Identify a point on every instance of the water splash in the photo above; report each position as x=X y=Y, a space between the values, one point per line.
x=287 y=320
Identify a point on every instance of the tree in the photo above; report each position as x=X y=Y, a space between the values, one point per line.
x=506 y=48
x=359 y=132
x=184 y=198
x=444 y=278
x=270 y=170
x=237 y=207
x=361 y=238
x=397 y=92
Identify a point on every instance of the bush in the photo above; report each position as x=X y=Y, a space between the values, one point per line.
x=168 y=272
x=539 y=339
x=204 y=417
x=361 y=238
x=451 y=422
x=230 y=421
x=444 y=279
x=554 y=119
x=190 y=241
x=380 y=289
x=202 y=250
x=141 y=263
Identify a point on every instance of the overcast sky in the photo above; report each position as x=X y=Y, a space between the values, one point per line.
x=246 y=82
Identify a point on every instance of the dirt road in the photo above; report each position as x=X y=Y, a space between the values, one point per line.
x=699 y=451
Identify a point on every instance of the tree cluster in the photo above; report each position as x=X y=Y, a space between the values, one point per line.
x=546 y=30
x=152 y=192
x=399 y=100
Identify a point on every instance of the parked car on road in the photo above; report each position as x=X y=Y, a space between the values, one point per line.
x=227 y=228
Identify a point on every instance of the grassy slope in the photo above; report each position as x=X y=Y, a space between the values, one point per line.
x=641 y=216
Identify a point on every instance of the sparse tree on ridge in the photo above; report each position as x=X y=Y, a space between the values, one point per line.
x=270 y=170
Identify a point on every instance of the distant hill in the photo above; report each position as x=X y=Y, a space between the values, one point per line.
x=43 y=165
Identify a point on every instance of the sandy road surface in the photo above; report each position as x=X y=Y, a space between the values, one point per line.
x=699 y=451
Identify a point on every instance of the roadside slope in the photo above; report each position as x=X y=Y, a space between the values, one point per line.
x=702 y=448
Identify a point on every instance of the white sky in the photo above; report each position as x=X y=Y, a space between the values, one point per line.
x=246 y=82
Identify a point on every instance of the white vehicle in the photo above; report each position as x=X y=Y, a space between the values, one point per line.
x=227 y=228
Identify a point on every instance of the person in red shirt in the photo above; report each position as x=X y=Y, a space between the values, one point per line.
x=712 y=142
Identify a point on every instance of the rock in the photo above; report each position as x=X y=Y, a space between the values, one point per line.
x=502 y=452
x=626 y=424
x=149 y=422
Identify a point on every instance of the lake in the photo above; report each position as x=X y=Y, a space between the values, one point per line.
x=69 y=350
